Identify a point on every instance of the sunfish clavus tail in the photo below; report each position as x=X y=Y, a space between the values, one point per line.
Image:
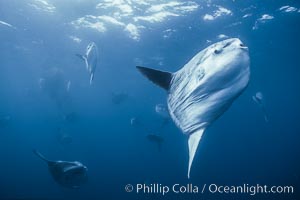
x=204 y=88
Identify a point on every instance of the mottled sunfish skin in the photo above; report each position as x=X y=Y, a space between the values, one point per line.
x=68 y=174
x=204 y=88
x=91 y=59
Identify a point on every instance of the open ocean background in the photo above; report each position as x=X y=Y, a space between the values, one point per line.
x=92 y=123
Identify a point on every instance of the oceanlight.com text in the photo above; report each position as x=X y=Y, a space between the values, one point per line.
x=250 y=189
x=157 y=188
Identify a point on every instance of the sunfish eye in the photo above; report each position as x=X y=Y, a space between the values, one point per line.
x=216 y=51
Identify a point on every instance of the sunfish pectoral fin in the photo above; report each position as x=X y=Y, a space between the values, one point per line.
x=193 y=142
x=71 y=167
x=160 y=78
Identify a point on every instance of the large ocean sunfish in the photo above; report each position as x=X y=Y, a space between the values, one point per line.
x=67 y=174
x=204 y=88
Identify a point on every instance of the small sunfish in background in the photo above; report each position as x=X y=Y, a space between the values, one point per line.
x=135 y=122
x=157 y=139
x=90 y=59
x=204 y=88
x=68 y=86
x=162 y=110
x=54 y=84
x=138 y=123
x=68 y=174
x=258 y=98
x=63 y=137
x=71 y=117
x=7 y=24
x=119 y=97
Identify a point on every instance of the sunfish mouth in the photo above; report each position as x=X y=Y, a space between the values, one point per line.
x=242 y=46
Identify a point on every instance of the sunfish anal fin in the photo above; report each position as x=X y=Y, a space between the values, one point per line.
x=91 y=78
x=160 y=78
x=193 y=142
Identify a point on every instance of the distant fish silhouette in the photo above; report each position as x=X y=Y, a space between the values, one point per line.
x=118 y=98
x=71 y=117
x=91 y=59
x=67 y=174
x=157 y=139
x=137 y=123
x=204 y=88
x=163 y=111
x=54 y=84
x=63 y=137
x=68 y=86
x=7 y=24
x=258 y=98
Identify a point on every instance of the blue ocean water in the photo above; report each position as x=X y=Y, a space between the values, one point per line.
x=47 y=102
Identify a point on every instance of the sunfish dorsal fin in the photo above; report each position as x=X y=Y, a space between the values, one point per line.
x=160 y=78
x=38 y=154
x=193 y=141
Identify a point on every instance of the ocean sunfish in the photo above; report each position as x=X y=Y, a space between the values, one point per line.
x=258 y=98
x=91 y=59
x=67 y=174
x=204 y=88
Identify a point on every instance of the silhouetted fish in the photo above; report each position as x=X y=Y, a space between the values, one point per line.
x=258 y=98
x=64 y=138
x=91 y=59
x=54 y=85
x=157 y=139
x=71 y=117
x=163 y=111
x=67 y=174
x=118 y=98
